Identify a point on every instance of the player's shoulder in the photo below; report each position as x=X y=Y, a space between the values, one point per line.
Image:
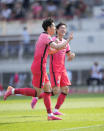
x=45 y=35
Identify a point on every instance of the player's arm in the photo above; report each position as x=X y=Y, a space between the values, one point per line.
x=52 y=51
x=63 y=45
x=70 y=56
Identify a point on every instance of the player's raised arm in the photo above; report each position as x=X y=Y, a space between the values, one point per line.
x=52 y=50
x=63 y=45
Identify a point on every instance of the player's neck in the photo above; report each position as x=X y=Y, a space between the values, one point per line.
x=60 y=38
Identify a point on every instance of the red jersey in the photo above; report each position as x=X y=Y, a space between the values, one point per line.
x=41 y=53
x=57 y=60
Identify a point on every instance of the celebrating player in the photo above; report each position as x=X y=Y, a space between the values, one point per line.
x=38 y=67
x=58 y=74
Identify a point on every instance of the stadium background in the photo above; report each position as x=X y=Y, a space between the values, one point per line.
x=85 y=18
x=82 y=111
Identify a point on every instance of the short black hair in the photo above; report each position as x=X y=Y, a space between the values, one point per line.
x=47 y=22
x=60 y=24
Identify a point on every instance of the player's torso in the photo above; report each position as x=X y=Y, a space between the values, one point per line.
x=57 y=60
x=40 y=54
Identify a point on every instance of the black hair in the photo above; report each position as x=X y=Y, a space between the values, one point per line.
x=47 y=22
x=60 y=24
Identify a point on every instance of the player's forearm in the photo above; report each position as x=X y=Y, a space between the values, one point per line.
x=52 y=51
x=63 y=45
x=59 y=46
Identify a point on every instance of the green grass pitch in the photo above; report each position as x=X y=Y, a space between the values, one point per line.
x=81 y=113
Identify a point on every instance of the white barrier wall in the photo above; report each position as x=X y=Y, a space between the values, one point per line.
x=88 y=43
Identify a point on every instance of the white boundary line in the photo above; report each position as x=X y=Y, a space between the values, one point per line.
x=76 y=128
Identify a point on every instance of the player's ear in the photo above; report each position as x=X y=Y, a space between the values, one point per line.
x=48 y=28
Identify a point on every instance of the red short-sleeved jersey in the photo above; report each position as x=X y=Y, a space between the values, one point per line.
x=41 y=53
x=57 y=60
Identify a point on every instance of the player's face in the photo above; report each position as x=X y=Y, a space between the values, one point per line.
x=62 y=30
x=52 y=29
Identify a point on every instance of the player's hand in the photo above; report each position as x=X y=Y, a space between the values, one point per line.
x=70 y=36
x=71 y=56
x=57 y=41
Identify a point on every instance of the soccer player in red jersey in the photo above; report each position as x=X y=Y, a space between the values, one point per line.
x=58 y=74
x=38 y=67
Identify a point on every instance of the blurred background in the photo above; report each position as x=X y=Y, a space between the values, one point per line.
x=20 y=26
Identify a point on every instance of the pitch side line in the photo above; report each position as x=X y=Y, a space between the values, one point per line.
x=85 y=127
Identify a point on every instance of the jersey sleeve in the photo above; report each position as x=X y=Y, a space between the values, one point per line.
x=48 y=40
x=68 y=48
